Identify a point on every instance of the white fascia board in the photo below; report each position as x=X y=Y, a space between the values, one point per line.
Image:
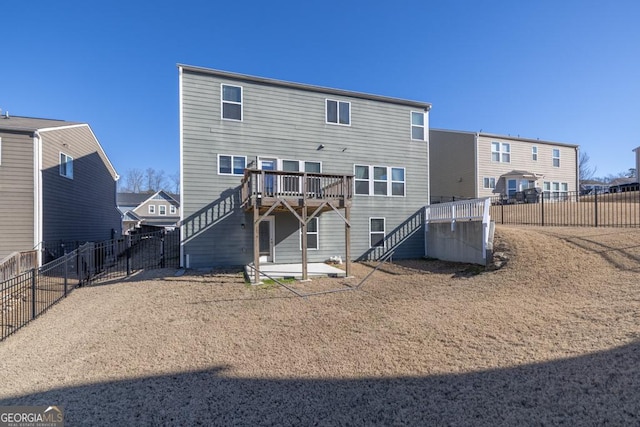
x=109 y=164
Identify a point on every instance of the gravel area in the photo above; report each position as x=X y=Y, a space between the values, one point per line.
x=548 y=335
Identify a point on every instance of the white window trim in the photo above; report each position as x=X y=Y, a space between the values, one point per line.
x=423 y=126
x=491 y=180
x=326 y=112
x=404 y=183
x=172 y=210
x=317 y=233
x=384 y=232
x=554 y=157
x=534 y=153
x=232 y=161
x=501 y=151
x=68 y=160
x=160 y=210
x=372 y=181
x=222 y=101
x=152 y=209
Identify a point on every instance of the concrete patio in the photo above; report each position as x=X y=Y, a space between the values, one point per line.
x=281 y=271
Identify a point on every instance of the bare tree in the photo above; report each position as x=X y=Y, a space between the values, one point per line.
x=585 y=170
x=155 y=180
x=134 y=179
x=175 y=180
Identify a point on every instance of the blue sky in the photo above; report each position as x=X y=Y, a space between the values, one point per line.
x=566 y=71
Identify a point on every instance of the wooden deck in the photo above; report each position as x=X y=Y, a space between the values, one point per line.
x=304 y=195
x=274 y=190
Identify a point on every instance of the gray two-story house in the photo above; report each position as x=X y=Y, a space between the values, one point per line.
x=275 y=171
x=56 y=185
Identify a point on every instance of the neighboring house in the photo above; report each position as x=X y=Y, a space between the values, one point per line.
x=148 y=211
x=56 y=185
x=475 y=164
x=267 y=165
x=591 y=186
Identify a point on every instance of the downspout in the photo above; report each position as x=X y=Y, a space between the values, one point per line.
x=183 y=264
x=476 y=178
x=37 y=195
x=578 y=170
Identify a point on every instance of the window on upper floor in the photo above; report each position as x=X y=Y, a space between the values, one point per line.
x=489 y=182
x=556 y=157
x=379 y=180
x=152 y=209
x=162 y=210
x=172 y=210
x=534 y=153
x=376 y=232
x=66 y=166
x=338 y=112
x=501 y=152
x=312 y=234
x=231 y=165
x=231 y=102
x=417 y=126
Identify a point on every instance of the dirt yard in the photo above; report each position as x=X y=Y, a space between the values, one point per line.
x=550 y=337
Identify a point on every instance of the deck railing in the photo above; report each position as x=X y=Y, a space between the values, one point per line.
x=18 y=263
x=295 y=185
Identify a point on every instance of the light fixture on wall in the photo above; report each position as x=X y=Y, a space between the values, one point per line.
x=320 y=147
x=242 y=226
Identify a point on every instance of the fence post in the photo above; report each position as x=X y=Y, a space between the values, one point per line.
x=162 y=261
x=502 y=211
x=542 y=208
x=66 y=274
x=128 y=253
x=33 y=293
x=595 y=202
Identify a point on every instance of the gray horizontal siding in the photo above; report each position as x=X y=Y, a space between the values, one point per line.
x=290 y=124
x=82 y=208
x=16 y=193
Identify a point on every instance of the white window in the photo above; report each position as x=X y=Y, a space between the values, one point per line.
x=534 y=153
x=313 y=242
x=556 y=158
x=501 y=152
x=152 y=209
x=489 y=182
x=361 y=179
x=162 y=209
x=338 y=112
x=231 y=165
x=231 y=100
x=66 y=166
x=379 y=180
x=376 y=232
x=417 y=126
x=397 y=182
x=172 y=210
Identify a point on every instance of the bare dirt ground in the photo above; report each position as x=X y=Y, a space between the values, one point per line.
x=551 y=337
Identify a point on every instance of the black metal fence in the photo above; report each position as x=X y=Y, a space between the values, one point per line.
x=594 y=209
x=26 y=296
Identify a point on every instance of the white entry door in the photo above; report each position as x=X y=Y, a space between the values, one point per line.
x=266 y=237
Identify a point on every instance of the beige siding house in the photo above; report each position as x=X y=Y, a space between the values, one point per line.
x=148 y=212
x=474 y=164
x=56 y=185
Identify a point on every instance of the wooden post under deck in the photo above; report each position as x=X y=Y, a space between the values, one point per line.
x=256 y=243
x=347 y=239
x=304 y=228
